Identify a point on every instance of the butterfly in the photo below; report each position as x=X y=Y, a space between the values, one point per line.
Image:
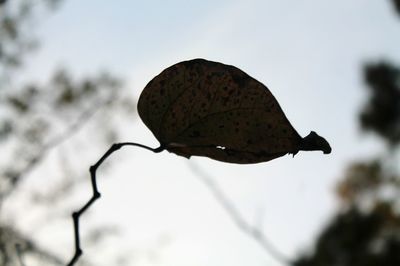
x=205 y=108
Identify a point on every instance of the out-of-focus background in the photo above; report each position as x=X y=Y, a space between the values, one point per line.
x=71 y=73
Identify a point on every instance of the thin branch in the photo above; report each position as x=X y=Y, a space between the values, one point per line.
x=96 y=194
x=255 y=233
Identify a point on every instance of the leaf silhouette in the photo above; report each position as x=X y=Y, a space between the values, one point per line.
x=205 y=108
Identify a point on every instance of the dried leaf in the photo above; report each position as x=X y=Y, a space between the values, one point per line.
x=204 y=108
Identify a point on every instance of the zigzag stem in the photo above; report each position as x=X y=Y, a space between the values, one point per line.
x=96 y=194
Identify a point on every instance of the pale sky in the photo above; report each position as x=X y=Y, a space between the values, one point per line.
x=309 y=53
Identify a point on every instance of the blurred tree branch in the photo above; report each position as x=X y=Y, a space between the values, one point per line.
x=47 y=143
x=12 y=242
x=37 y=118
x=227 y=204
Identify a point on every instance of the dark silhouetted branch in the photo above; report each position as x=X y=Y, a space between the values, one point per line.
x=242 y=224
x=96 y=194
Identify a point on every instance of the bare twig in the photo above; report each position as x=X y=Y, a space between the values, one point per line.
x=254 y=232
x=96 y=194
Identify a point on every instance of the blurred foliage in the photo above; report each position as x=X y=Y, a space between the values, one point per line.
x=381 y=114
x=396 y=4
x=13 y=244
x=17 y=38
x=359 y=238
x=37 y=118
x=366 y=183
x=366 y=230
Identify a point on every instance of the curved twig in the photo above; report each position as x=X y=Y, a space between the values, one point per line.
x=96 y=194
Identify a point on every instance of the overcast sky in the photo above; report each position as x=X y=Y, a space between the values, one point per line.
x=309 y=53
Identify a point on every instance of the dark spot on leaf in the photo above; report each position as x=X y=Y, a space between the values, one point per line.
x=195 y=134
